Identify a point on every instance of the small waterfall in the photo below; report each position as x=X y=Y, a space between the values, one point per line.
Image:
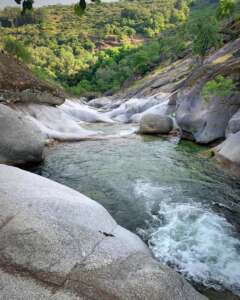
x=64 y=122
x=55 y=123
x=82 y=112
x=132 y=110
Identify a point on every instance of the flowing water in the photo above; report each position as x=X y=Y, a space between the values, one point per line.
x=182 y=204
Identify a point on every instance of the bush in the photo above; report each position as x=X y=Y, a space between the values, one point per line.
x=225 y=8
x=17 y=49
x=220 y=86
x=205 y=34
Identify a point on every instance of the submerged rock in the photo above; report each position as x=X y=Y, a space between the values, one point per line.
x=59 y=244
x=20 y=140
x=155 y=124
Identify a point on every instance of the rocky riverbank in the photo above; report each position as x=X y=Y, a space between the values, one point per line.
x=59 y=244
x=176 y=93
x=62 y=245
x=179 y=89
x=56 y=242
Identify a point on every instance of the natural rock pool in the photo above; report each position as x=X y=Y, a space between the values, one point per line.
x=181 y=203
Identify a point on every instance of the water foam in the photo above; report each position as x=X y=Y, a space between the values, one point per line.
x=195 y=241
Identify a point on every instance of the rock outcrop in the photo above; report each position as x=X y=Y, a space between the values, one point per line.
x=18 y=84
x=20 y=140
x=133 y=109
x=206 y=121
x=59 y=244
x=233 y=124
x=103 y=102
x=166 y=79
x=155 y=124
x=229 y=150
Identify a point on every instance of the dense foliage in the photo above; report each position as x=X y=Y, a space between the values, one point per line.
x=16 y=49
x=225 y=8
x=220 y=86
x=27 y=5
x=111 y=44
x=204 y=30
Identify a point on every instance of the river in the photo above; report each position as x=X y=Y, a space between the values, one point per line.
x=181 y=203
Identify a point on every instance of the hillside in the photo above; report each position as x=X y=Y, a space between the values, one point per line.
x=112 y=45
x=79 y=52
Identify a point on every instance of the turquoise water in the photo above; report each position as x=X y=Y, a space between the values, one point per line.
x=181 y=203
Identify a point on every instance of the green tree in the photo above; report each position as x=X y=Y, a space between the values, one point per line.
x=220 y=86
x=17 y=49
x=28 y=5
x=205 y=35
x=225 y=8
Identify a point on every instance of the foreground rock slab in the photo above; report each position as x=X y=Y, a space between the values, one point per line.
x=20 y=140
x=55 y=243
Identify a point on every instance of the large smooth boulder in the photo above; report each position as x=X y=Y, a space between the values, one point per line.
x=229 y=150
x=102 y=102
x=20 y=139
x=205 y=120
x=202 y=120
x=155 y=124
x=234 y=124
x=55 y=243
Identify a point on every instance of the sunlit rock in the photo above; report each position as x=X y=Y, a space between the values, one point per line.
x=55 y=123
x=56 y=237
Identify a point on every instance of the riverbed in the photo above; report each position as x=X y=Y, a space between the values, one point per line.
x=184 y=205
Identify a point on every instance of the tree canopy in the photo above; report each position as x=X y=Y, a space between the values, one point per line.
x=225 y=8
x=112 y=44
x=28 y=5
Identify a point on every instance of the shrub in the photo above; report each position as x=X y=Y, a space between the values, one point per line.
x=17 y=49
x=220 y=86
x=225 y=8
x=205 y=34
